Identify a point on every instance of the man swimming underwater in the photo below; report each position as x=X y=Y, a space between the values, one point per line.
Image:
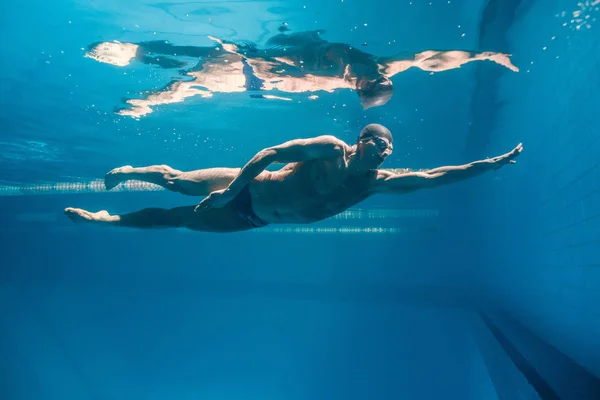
x=323 y=176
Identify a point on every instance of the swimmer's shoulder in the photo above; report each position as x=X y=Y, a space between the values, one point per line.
x=329 y=138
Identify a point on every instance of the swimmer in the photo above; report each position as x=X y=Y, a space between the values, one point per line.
x=322 y=177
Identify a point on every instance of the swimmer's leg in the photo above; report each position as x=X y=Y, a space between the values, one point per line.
x=224 y=219
x=147 y=218
x=193 y=183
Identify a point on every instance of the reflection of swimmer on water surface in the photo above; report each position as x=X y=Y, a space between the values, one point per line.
x=289 y=63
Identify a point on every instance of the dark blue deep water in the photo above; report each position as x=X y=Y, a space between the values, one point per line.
x=485 y=289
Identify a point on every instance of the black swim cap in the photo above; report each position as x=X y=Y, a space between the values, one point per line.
x=376 y=130
x=375 y=94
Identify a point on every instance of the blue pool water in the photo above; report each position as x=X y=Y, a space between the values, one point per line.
x=484 y=289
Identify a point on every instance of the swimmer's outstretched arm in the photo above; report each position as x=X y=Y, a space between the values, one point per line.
x=391 y=182
x=298 y=150
x=438 y=61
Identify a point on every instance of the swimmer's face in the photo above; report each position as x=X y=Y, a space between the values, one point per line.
x=374 y=149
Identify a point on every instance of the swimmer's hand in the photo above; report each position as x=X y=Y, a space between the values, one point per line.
x=216 y=199
x=508 y=158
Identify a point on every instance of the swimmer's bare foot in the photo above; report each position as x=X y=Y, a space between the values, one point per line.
x=79 y=215
x=116 y=176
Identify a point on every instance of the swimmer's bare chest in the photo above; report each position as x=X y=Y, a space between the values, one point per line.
x=307 y=192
